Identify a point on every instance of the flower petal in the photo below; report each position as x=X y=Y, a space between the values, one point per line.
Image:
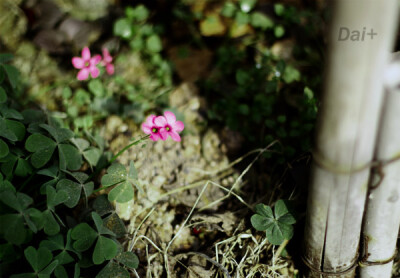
x=94 y=71
x=110 y=69
x=178 y=126
x=86 y=53
x=160 y=121
x=95 y=60
x=171 y=119
x=155 y=136
x=83 y=74
x=175 y=136
x=78 y=62
x=106 y=56
x=163 y=134
x=150 y=120
x=146 y=128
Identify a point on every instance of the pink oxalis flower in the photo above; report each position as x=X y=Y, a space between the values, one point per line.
x=86 y=64
x=149 y=127
x=107 y=59
x=169 y=126
x=162 y=126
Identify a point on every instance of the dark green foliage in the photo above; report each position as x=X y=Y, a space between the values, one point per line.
x=278 y=225
x=84 y=236
x=43 y=148
x=39 y=236
x=41 y=262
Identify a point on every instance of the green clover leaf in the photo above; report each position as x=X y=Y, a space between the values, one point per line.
x=3 y=149
x=15 y=163
x=260 y=20
x=278 y=225
x=15 y=231
x=128 y=259
x=84 y=236
x=9 y=128
x=74 y=188
x=56 y=243
x=91 y=154
x=113 y=270
x=117 y=175
x=12 y=73
x=115 y=224
x=43 y=148
x=103 y=207
x=54 y=173
x=54 y=198
x=105 y=249
x=40 y=262
x=123 y=28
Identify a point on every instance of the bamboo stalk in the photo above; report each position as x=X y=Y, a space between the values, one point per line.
x=382 y=219
x=346 y=136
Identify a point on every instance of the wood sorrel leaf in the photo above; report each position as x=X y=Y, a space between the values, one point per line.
x=282 y=212
x=91 y=154
x=116 y=173
x=279 y=232
x=38 y=259
x=3 y=149
x=17 y=128
x=50 y=224
x=84 y=237
x=128 y=259
x=42 y=148
x=70 y=158
x=54 y=197
x=261 y=223
x=12 y=73
x=115 y=224
x=105 y=249
x=102 y=206
x=113 y=270
x=3 y=95
x=14 y=231
x=122 y=193
x=59 y=134
x=100 y=225
x=73 y=190
x=278 y=227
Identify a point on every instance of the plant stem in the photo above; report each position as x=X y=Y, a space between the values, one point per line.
x=114 y=158
x=127 y=147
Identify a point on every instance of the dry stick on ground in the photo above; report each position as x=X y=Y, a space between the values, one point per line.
x=382 y=218
x=346 y=135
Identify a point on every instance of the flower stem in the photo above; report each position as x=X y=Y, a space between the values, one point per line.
x=115 y=157
x=127 y=147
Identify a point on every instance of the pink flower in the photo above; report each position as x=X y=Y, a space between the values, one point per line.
x=169 y=126
x=149 y=127
x=107 y=59
x=86 y=64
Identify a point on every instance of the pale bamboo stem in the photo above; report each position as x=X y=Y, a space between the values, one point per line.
x=346 y=137
x=382 y=218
